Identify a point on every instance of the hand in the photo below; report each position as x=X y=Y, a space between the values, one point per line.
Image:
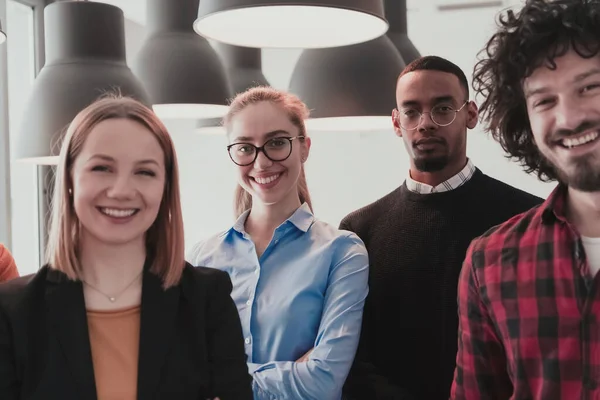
x=304 y=358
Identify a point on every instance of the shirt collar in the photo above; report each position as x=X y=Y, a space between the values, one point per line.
x=555 y=206
x=302 y=219
x=452 y=183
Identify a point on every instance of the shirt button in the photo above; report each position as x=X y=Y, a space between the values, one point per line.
x=249 y=302
x=256 y=271
x=247 y=340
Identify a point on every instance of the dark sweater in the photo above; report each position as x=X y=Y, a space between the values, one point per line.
x=416 y=244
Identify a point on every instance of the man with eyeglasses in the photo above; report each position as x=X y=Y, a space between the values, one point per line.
x=417 y=237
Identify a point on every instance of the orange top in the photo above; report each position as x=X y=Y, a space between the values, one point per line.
x=114 y=339
x=8 y=268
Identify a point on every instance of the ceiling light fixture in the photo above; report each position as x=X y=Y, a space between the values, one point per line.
x=85 y=58
x=350 y=88
x=183 y=74
x=291 y=23
x=396 y=14
x=243 y=66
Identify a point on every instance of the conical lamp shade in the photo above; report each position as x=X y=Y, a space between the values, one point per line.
x=351 y=87
x=395 y=12
x=2 y=34
x=183 y=74
x=85 y=58
x=243 y=66
x=291 y=23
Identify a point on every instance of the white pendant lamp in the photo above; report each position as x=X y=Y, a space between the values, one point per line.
x=291 y=23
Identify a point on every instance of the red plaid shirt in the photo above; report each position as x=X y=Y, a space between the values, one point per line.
x=529 y=312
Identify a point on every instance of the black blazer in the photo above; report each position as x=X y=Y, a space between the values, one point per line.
x=191 y=342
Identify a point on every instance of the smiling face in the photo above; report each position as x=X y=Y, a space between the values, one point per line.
x=268 y=182
x=118 y=182
x=564 y=112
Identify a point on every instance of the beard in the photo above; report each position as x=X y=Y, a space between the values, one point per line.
x=584 y=175
x=431 y=164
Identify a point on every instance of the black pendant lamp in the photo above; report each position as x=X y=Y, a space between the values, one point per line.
x=183 y=74
x=2 y=34
x=395 y=12
x=85 y=58
x=291 y=23
x=243 y=66
x=349 y=88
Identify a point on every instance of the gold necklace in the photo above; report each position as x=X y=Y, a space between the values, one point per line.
x=114 y=298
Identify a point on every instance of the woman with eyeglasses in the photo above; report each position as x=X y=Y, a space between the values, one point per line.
x=299 y=283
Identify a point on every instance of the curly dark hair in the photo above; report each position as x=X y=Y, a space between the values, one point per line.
x=542 y=31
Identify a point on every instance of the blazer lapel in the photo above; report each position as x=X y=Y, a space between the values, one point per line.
x=67 y=315
x=157 y=326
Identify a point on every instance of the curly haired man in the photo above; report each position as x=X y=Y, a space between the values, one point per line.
x=529 y=291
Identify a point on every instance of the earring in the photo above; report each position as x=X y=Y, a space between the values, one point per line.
x=70 y=192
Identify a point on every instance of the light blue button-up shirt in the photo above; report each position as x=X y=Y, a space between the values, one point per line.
x=307 y=290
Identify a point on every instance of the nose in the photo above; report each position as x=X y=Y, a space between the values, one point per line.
x=262 y=161
x=426 y=123
x=121 y=188
x=569 y=115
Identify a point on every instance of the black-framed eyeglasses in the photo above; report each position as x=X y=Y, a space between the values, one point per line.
x=275 y=149
x=441 y=115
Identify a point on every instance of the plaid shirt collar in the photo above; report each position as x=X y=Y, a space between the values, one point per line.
x=555 y=207
x=454 y=182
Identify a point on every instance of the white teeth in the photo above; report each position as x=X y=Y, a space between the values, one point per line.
x=268 y=179
x=573 y=142
x=118 y=213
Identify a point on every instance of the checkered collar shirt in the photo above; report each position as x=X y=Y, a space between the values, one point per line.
x=529 y=312
x=454 y=182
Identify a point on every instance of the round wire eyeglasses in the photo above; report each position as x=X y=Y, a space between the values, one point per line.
x=441 y=115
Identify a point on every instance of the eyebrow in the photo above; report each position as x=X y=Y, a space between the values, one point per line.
x=105 y=157
x=267 y=135
x=577 y=78
x=435 y=100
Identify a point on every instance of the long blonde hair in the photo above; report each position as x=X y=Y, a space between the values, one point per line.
x=164 y=239
x=297 y=112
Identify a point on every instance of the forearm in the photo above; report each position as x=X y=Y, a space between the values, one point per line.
x=311 y=380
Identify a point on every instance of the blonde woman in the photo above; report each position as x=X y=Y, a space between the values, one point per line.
x=117 y=313
x=299 y=283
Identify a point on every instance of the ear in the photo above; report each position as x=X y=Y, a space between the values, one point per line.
x=472 y=115
x=397 y=128
x=305 y=149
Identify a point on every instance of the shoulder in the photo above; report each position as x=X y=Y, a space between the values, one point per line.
x=18 y=293
x=8 y=268
x=366 y=214
x=343 y=245
x=497 y=241
x=502 y=190
x=4 y=253
x=202 y=249
x=205 y=280
x=337 y=237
